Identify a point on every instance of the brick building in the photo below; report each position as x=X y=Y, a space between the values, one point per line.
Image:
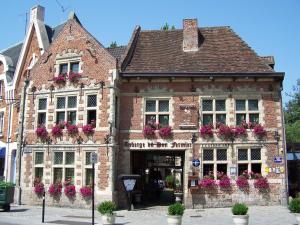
x=146 y=103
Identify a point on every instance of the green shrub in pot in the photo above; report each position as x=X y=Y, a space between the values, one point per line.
x=239 y=209
x=176 y=209
x=107 y=208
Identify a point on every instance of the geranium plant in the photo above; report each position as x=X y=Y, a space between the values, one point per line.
x=38 y=186
x=226 y=132
x=41 y=132
x=165 y=131
x=259 y=131
x=206 y=131
x=60 y=79
x=149 y=129
x=70 y=191
x=242 y=182
x=56 y=131
x=262 y=184
x=55 y=189
x=72 y=129
x=207 y=182
x=240 y=131
x=224 y=182
x=86 y=192
x=74 y=77
x=88 y=129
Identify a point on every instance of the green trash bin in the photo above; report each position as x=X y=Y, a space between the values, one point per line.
x=7 y=191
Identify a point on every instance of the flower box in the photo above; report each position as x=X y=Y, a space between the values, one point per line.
x=86 y=192
x=206 y=131
x=165 y=132
x=60 y=79
x=242 y=183
x=88 y=129
x=55 y=190
x=72 y=129
x=70 y=191
x=225 y=132
x=38 y=187
x=240 y=131
x=262 y=184
x=56 y=131
x=41 y=132
x=148 y=130
x=259 y=131
x=74 y=77
x=207 y=183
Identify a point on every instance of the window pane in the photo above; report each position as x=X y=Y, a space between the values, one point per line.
x=150 y=119
x=163 y=120
x=221 y=118
x=207 y=105
x=72 y=102
x=150 y=106
x=63 y=68
x=61 y=103
x=208 y=154
x=41 y=118
x=91 y=116
x=164 y=106
x=39 y=158
x=70 y=157
x=88 y=176
x=208 y=169
x=221 y=154
x=91 y=100
x=256 y=168
x=58 y=158
x=42 y=104
x=222 y=168
x=88 y=158
x=207 y=119
x=60 y=117
x=242 y=168
x=254 y=118
x=243 y=154
x=38 y=172
x=220 y=105
x=57 y=177
x=240 y=118
x=240 y=105
x=255 y=154
x=75 y=67
x=253 y=105
x=72 y=117
x=69 y=174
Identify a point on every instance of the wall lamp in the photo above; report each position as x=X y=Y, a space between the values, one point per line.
x=33 y=90
x=102 y=84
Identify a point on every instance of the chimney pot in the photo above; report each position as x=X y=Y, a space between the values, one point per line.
x=37 y=13
x=190 y=35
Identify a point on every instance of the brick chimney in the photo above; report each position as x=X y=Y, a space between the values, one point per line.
x=190 y=35
x=37 y=13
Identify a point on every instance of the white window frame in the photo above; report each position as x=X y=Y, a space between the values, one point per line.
x=63 y=166
x=214 y=113
x=41 y=165
x=249 y=161
x=86 y=166
x=1 y=89
x=2 y=112
x=91 y=108
x=66 y=109
x=41 y=111
x=157 y=113
x=215 y=161
x=247 y=111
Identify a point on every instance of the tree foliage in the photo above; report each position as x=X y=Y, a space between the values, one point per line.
x=167 y=27
x=113 y=44
x=292 y=115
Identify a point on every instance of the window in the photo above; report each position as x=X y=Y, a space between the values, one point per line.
x=249 y=159
x=63 y=166
x=214 y=160
x=74 y=67
x=213 y=112
x=91 y=109
x=65 y=68
x=1 y=122
x=42 y=107
x=88 y=169
x=39 y=165
x=247 y=110
x=66 y=109
x=157 y=111
x=1 y=89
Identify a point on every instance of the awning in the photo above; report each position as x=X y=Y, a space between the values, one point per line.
x=293 y=156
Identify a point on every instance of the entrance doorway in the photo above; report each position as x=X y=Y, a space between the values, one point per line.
x=161 y=175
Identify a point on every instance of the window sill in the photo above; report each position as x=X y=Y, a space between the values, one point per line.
x=187 y=126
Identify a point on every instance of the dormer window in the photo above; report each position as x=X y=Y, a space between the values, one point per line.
x=66 y=68
x=74 y=67
x=63 y=68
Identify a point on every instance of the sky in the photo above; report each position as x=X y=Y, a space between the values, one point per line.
x=270 y=27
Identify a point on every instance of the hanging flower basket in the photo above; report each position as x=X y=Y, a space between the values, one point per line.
x=55 y=189
x=225 y=132
x=262 y=184
x=60 y=79
x=88 y=129
x=70 y=191
x=41 y=132
x=56 y=131
x=224 y=182
x=240 y=132
x=74 y=77
x=38 y=187
x=259 y=131
x=242 y=183
x=86 y=192
x=165 y=132
x=72 y=129
x=206 y=131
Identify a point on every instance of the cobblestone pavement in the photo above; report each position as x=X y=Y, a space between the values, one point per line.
x=31 y=215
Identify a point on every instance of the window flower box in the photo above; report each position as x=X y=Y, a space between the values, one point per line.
x=240 y=131
x=207 y=183
x=38 y=187
x=72 y=129
x=60 y=79
x=225 y=132
x=224 y=183
x=149 y=129
x=262 y=184
x=206 y=131
x=242 y=183
x=57 y=131
x=70 y=191
x=259 y=131
x=74 y=77
x=86 y=192
x=55 y=190
x=165 y=132
x=88 y=129
x=41 y=132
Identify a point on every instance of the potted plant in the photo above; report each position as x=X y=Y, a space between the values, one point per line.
x=55 y=190
x=175 y=213
x=56 y=131
x=225 y=132
x=60 y=79
x=86 y=192
x=7 y=191
x=259 y=131
x=206 y=131
x=88 y=129
x=74 y=77
x=240 y=216
x=165 y=132
x=207 y=183
x=106 y=209
x=38 y=187
x=262 y=184
x=242 y=183
x=72 y=129
x=41 y=132
x=294 y=207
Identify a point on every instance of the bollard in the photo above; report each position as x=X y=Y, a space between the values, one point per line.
x=43 y=213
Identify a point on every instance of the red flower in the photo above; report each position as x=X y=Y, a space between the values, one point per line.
x=38 y=186
x=226 y=132
x=72 y=129
x=165 y=131
x=55 y=189
x=207 y=182
x=41 y=132
x=262 y=184
x=74 y=77
x=56 y=131
x=70 y=191
x=259 y=131
x=206 y=131
x=240 y=132
x=86 y=192
x=148 y=130
x=60 y=79
x=242 y=182
x=224 y=182
x=88 y=129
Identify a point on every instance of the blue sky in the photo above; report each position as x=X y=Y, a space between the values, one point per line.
x=270 y=27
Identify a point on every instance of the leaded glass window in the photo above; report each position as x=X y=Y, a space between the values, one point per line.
x=39 y=158
x=243 y=154
x=208 y=154
x=221 y=154
x=70 y=157
x=58 y=157
x=207 y=105
x=157 y=111
x=247 y=111
x=213 y=112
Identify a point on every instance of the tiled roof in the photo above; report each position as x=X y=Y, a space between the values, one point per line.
x=117 y=52
x=221 y=50
x=53 y=32
x=13 y=52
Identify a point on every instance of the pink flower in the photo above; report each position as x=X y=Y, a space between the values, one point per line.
x=207 y=182
x=88 y=129
x=41 y=132
x=224 y=182
x=206 y=131
x=38 y=187
x=259 y=131
x=226 y=132
x=60 y=79
x=56 y=131
x=74 y=77
x=70 y=191
x=72 y=129
x=240 y=132
x=165 y=131
x=242 y=182
x=86 y=192
x=148 y=130
x=55 y=189
x=262 y=184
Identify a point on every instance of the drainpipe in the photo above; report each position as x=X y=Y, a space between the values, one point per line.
x=21 y=142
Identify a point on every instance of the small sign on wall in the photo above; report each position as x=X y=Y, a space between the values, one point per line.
x=277 y=159
x=196 y=162
x=233 y=171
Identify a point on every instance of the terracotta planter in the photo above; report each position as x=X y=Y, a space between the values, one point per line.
x=108 y=219
x=240 y=219
x=174 y=220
